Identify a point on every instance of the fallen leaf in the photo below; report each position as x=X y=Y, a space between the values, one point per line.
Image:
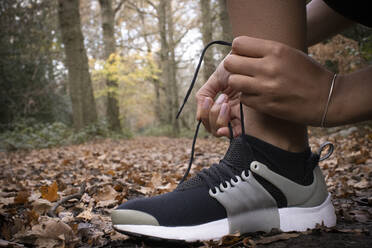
x=22 y=197
x=5 y=243
x=105 y=193
x=362 y=184
x=106 y=204
x=145 y=190
x=6 y=201
x=156 y=180
x=230 y=239
x=41 y=206
x=274 y=238
x=85 y=215
x=50 y=193
x=32 y=217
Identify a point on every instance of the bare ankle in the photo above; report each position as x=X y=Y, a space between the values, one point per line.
x=286 y=135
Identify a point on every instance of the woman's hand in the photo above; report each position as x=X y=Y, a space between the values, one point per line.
x=215 y=115
x=278 y=80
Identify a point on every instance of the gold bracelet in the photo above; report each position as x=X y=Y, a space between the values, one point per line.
x=328 y=101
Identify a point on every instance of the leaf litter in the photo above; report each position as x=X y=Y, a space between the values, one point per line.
x=62 y=197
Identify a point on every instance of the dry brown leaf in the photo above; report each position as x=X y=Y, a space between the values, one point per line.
x=41 y=206
x=106 y=204
x=110 y=172
x=32 y=217
x=48 y=228
x=362 y=184
x=156 y=180
x=22 y=197
x=274 y=238
x=106 y=193
x=5 y=243
x=50 y=193
x=85 y=215
x=230 y=239
x=6 y=201
x=145 y=190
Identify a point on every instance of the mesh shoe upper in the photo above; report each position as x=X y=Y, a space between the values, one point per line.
x=193 y=206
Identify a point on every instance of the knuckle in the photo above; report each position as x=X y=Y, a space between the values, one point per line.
x=232 y=80
x=228 y=62
x=277 y=49
x=271 y=69
x=270 y=88
x=237 y=42
x=198 y=95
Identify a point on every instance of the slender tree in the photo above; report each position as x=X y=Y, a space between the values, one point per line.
x=108 y=24
x=226 y=32
x=161 y=9
x=80 y=86
x=207 y=30
x=172 y=79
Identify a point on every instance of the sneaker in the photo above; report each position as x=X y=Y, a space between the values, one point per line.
x=238 y=195
x=235 y=196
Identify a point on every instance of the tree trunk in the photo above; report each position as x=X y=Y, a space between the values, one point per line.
x=155 y=81
x=164 y=57
x=206 y=30
x=226 y=26
x=80 y=86
x=108 y=22
x=172 y=72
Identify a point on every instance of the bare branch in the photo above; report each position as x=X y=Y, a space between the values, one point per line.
x=77 y=195
x=119 y=6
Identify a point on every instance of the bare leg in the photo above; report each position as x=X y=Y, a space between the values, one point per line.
x=283 y=21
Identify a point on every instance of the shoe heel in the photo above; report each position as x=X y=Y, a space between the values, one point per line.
x=301 y=219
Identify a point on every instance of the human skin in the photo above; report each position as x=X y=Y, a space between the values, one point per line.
x=271 y=86
x=282 y=21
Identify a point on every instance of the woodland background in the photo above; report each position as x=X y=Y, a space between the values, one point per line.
x=75 y=70
x=82 y=83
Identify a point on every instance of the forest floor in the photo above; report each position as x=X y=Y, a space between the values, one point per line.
x=36 y=185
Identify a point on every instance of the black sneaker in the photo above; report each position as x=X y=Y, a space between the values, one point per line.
x=238 y=195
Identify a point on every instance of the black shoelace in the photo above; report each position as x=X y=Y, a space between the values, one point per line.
x=224 y=169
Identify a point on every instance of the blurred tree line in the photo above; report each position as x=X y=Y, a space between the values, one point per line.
x=127 y=62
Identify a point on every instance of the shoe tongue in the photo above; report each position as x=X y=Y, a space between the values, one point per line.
x=238 y=157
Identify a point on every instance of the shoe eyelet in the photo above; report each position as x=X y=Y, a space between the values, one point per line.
x=213 y=194
x=254 y=165
x=223 y=188
x=244 y=177
x=233 y=182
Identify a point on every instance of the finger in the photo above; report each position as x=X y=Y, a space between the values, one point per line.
x=223 y=131
x=245 y=84
x=236 y=127
x=223 y=116
x=243 y=65
x=250 y=47
x=203 y=112
x=214 y=112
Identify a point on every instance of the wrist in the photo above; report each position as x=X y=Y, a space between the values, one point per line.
x=338 y=109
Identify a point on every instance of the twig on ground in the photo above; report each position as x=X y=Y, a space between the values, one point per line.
x=77 y=195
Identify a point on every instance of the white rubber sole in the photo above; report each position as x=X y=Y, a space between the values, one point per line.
x=291 y=219
x=301 y=219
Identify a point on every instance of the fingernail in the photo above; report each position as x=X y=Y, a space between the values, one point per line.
x=223 y=109
x=220 y=99
x=206 y=103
